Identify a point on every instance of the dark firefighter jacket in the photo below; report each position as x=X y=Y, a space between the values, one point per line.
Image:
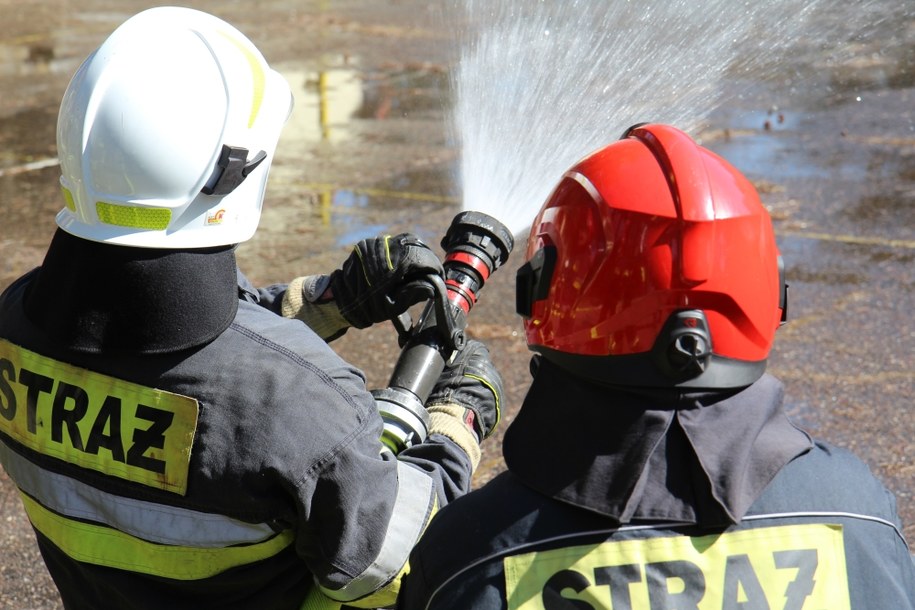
x=179 y=446
x=620 y=501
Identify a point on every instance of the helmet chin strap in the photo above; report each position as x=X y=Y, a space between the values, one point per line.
x=232 y=168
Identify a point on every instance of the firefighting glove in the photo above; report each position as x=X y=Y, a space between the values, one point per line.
x=471 y=387
x=383 y=277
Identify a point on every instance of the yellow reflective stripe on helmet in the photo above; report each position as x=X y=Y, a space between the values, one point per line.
x=104 y=546
x=257 y=75
x=150 y=219
x=68 y=199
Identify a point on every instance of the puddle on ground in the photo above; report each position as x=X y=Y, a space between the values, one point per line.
x=335 y=104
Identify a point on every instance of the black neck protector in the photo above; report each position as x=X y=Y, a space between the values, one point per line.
x=102 y=298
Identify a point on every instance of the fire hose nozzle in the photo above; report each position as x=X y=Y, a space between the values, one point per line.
x=475 y=244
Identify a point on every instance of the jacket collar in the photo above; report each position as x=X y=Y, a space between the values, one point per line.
x=698 y=458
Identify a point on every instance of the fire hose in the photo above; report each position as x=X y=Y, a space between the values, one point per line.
x=475 y=246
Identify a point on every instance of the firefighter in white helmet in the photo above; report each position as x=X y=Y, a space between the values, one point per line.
x=177 y=442
x=652 y=464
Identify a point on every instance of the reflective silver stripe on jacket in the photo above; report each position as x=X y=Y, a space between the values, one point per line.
x=408 y=519
x=149 y=521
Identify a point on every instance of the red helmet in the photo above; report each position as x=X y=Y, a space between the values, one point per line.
x=653 y=263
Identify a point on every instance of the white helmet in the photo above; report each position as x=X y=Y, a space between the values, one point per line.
x=166 y=134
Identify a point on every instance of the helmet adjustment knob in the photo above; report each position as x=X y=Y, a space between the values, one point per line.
x=684 y=347
x=688 y=354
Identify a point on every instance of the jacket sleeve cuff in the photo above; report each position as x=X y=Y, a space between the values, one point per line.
x=300 y=303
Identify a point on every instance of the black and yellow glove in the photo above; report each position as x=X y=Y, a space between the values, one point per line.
x=383 y=277
x=471 y=382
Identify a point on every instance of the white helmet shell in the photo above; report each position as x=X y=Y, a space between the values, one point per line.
x=175 y=104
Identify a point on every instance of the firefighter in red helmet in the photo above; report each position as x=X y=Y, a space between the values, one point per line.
x=652 y=464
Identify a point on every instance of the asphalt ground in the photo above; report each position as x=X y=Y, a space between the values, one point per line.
x=834 y=162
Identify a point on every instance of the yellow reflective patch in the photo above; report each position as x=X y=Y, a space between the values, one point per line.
x=148 y=219
x=104 y=546
x=793 y=566
x=95 y=421
x=68 y=199
x=315 y=600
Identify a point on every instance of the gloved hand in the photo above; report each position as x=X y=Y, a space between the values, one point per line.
x=383 y=277
x=472 y=382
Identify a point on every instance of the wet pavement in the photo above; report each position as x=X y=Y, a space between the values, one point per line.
x=367 y=151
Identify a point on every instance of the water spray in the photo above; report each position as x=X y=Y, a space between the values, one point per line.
x=475 y=245
x=539 y=85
